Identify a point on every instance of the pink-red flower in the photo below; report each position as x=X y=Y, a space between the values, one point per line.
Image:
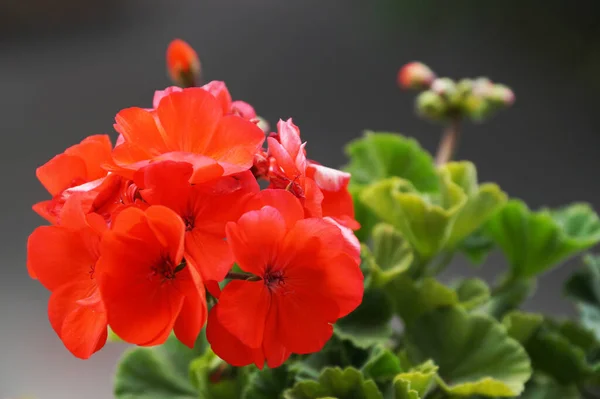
x=187 y=126
x=146 y=286
x=307 y=278
x=205 y=209
x=64 y=259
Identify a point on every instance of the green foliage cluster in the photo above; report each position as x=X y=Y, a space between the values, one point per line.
x=413 y=336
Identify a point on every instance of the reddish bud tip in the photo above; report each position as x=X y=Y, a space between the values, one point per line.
x=415 y=75
x=183 y=64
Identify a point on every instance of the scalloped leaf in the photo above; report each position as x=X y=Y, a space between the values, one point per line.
x=534 y=242
x=411 y=299
x=382 y=365
x=472 y=292
x=475 y=354
x=268 y=383
x=335 y=383
x=369 y=324
x=362 y=213
x=415 y=383
x=482 y=201
x=424 y=220
x=377 y=156
x=509 y=297
x=477 y=246
x=215 y=379
x=522 y=326
x=542 y=387
x=158 y=372
x=584 y=287
x=392 y=253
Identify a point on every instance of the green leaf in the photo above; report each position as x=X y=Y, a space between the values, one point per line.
x=482 y=201
x=369 y=324
x=377 y=156
x=552 y=353
x=474 y=353
x=215 y=379
x=392 y=253
x=477 y=247
x=412 y=298
x=522 y=326
x=543 y=387
x=362 y=213
x=337 y=352
x=268 y=383
x=382 y=365
x=472 y=292
x=415 y=383
x=584 y=288
x=534 y=242
x=424 y=220
x=158 y=372
x=335 y=383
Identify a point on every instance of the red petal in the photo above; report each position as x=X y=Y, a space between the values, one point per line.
x=193 y=313
x=159 y=94
x=243 y=309
x=169 y=229
x=234 y=144
x=81 y=328
x=327 y=178
x=59 y=173
x=219 y=90
x=57 y=255
x=141 y=133
x=95 y=151
x=275 y=353
x=227 y=346
x=255 y=239
x=189 y=118
x=290 y=207
x=209 y=254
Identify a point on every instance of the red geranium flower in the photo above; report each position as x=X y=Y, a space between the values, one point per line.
x=323 y=191
x=187 y=126
x=146 y=287
x=205 y=209
x=307 y=280
x=77 y=169
x=63 y=258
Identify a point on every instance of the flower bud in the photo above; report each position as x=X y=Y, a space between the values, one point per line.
x=415 y=75
x=183 y=64
x=501 y=95
x=431 y=105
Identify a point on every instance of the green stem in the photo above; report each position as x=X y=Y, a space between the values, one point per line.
x=242 y=276
x=449 y=142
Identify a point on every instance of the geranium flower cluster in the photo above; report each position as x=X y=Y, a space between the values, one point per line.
x=143 y=232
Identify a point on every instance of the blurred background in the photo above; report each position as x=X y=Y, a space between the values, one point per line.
x=67 y=67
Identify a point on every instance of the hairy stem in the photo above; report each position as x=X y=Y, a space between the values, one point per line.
x=449 y=142
x=242 y=276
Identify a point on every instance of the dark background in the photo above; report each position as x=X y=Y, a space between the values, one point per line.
x=67 y=67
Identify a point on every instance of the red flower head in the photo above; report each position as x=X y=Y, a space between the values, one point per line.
x=205 y=209
x=63 y=258
x=307 y=278
x=183 y=64
x=323 y=191
x=146 y=287
x=187 y=126
x=78 y=169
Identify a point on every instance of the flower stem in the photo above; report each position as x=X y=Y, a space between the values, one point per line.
x=242 y=276
x=449 y=142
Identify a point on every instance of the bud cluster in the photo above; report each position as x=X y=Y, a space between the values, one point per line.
x=444 y=99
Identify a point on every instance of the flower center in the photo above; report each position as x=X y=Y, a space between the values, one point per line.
x=273 y=279
x=166 y=270
x=189 y=222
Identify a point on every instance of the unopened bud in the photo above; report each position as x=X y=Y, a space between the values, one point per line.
x=431 y=105
x=415 y=75
x=501 y=95
x=444 y=87
x=183 y=64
